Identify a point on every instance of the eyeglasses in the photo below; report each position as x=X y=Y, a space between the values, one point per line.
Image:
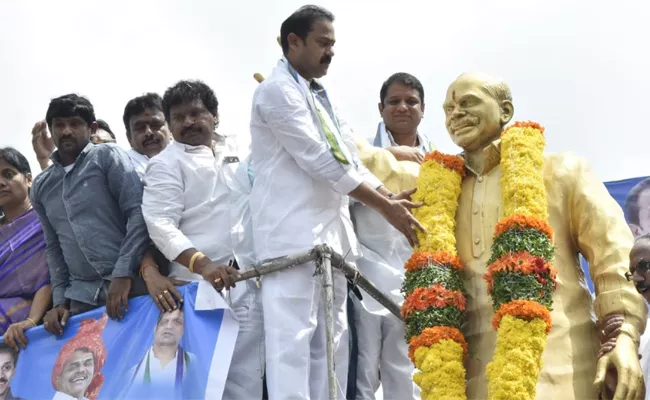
x=641 y=269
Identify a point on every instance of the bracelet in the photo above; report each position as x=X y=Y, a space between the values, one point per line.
x=32 y=321
x=194 y=257
x=145 y=267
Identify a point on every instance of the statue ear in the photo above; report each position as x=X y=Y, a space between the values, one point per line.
x=507 y=111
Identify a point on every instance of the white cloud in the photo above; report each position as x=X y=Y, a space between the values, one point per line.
x=579 y=68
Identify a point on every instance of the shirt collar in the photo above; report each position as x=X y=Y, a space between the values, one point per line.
x=492 y=158
x=56 y=157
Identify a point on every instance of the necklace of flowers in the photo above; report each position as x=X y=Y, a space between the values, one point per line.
x=520 y=277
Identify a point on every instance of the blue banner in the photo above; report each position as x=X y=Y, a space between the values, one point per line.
x=148 y=354
x=637 y=202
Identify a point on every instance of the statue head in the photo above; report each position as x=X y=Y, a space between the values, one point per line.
x=477 y=108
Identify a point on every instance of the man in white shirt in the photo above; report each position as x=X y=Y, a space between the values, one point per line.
x=195 y=205
x=146 y=129
x=380 y=335
x=306 y=165
x=166 y=366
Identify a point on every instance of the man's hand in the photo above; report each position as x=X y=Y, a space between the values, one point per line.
x=398 y=214
x=162 y=289
x=220 y=276
x=117 y=303
x=622 y=363
x=42 y=140
x=56 y=319
x=15 y=337
x=406 y=153
x=609 y=329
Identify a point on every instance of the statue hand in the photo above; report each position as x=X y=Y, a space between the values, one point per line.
x=624 y=360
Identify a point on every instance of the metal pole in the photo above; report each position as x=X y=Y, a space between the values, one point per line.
x=324 y=269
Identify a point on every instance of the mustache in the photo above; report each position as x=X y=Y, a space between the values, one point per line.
x=326 y=60
x=150 y=140
x=4 y=380
x=465 y=122
x=191 y=129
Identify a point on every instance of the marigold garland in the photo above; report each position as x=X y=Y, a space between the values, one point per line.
x=434 y=306
x=520 y=277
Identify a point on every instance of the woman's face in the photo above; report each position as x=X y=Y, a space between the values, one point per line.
x=13 y=185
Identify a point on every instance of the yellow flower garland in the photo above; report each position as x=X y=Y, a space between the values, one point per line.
x=522 y=322
x=433 y=284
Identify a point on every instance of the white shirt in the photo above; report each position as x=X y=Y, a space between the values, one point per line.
x=65 y=396
x=299 y=196
x=194 y=198
x=159 y=374
x=139 y=161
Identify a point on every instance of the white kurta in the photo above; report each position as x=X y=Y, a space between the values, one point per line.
x=194 y=198
x=299 y=200
x=139 y=161
x=381 y=344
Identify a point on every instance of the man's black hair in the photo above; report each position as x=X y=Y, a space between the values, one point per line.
x=137 y=106
x=70 y=105
x=405 y=79
x=301 y=23
x=185 y=92
x=4 y=348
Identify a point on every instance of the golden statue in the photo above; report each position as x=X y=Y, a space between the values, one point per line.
x=584 y=218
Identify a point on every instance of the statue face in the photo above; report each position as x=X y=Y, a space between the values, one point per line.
x=474 y=118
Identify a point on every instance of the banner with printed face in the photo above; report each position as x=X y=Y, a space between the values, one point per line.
x=633 y=195
x=183 y=354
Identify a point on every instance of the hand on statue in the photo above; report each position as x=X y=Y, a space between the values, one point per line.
x=621 y=366
x=398 y=214
x=406 y=153
x=42 y=142
x=609 y=329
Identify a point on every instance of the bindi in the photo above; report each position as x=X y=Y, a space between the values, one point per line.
x=453 y=95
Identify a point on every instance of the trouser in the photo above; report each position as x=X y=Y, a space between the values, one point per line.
x=294 y=325
x=382 y=348
x=138 y=288
x=245 y=376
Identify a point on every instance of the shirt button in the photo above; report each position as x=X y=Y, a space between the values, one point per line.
x=480 y=179
x=477 y=241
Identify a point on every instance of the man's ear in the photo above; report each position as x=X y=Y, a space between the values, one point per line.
x=380 y=106
x=93 y=127
x=636 y=230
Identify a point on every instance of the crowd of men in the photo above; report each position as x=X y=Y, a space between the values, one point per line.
x=183 y=205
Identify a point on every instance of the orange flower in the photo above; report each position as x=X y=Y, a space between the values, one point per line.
x=521 y=222
x=452 y=162
x=431 y=336
x=434 y=296
x=524 y=309
x=525 y=124
x=425 y=259
x=520 y=262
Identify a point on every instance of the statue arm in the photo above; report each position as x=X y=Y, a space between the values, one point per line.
x=397 y=176
x=605 y=240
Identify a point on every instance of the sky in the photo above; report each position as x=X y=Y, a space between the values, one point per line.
x=579 y=68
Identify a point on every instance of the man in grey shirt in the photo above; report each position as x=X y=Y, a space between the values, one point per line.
x=88 y=202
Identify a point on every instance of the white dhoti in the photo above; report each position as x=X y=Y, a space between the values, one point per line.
x=246 y=373
x=295 y=334
x=382 y=347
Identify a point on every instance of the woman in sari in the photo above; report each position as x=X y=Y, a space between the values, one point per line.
x=25 y=291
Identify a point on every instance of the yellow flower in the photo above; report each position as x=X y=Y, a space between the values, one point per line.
x=517 y=360
x=442 y=374
x=522 y=185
